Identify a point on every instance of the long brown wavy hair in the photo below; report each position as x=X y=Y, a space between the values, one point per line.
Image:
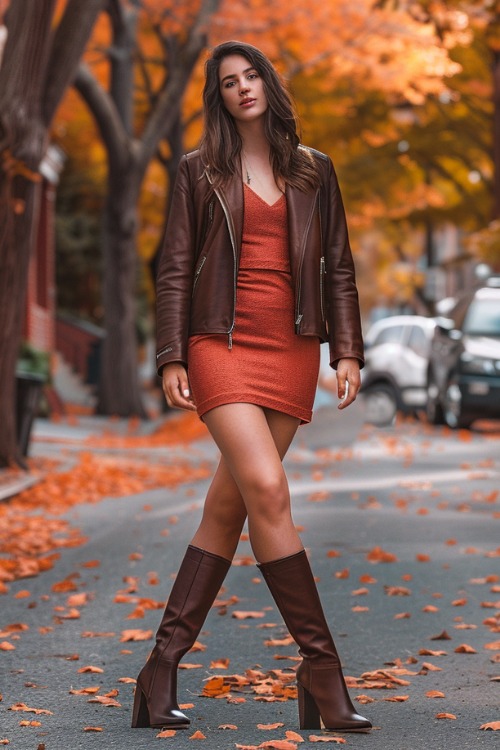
x=221 y=143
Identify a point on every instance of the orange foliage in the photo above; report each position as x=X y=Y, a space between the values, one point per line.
x=31 y=532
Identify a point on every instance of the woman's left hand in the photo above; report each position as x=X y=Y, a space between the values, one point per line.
x=348 y=381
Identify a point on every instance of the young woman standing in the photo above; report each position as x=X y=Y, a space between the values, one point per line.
x=256 y=271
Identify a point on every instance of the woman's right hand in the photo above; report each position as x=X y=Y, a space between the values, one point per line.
x=175 y=385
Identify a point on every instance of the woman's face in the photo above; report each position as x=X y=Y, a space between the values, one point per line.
x=242 y=89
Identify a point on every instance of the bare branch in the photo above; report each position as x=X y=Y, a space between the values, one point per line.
x=106 y=115
x=166 y=111
x=69 y=43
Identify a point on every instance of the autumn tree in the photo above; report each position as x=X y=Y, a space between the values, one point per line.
x=44 y=42
x=132 y=119
x=150 y=51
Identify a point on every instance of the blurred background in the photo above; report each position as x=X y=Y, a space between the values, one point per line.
x=98 y=102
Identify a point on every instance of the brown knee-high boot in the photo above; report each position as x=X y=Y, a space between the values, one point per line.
x=322 y=691
x=197 y=584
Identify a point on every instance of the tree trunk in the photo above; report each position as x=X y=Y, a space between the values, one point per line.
x=35 y=70
x=119 y=393
x=496 y=135
x=22 y=144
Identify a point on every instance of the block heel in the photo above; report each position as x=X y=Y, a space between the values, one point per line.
x=309 y=716
x=140 y=712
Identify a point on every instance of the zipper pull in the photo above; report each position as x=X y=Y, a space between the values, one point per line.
x=299 y=318
x=230 y=341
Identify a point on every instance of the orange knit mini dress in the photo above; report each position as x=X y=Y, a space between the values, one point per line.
x=269 y=364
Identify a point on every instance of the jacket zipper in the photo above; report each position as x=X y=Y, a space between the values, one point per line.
x=298 y=314
x=230 y=227
x=322 y=271
x=163 y=351
x=197 y=273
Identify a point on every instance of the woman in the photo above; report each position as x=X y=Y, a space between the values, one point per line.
x=256 y=271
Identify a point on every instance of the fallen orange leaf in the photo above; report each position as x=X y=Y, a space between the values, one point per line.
x=397 y=698
x=6 y=646
x=95 y=670
x=227 y=726
x=429 y=652
x=219 y=664
x=435 y=694
x=105 y=701
x=464 y=648
x=397 y=591
x=378 y=555
x=445 y=716
x=166 y=733
x=276 y=725
x=443 y=636
x=136 y=635
x=293 y=736
x=493 y=646
x=27 y=709
x=93 y=729
x=240 y=615
x=365 y=578
x=494 y=725
x=364 y=699
x=342 y=574
x=198 y=736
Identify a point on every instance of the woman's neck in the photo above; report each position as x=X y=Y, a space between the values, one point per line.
x=253 y=138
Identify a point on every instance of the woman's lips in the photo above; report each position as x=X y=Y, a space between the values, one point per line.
x=247 y=102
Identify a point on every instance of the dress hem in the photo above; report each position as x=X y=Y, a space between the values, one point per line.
x=299 y=412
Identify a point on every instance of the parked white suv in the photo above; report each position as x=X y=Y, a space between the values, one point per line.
x=394 y=378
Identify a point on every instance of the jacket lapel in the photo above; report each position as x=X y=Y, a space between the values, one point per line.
x=232 y=192
x=300 y=206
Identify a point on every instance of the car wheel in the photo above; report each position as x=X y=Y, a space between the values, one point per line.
x=433 y=409
x=454 y=414
x=381 y=404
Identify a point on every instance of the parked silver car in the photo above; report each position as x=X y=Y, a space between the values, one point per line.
x=394 y=378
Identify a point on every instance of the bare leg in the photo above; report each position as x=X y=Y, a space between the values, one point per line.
x=224 y=512
x=248 y=438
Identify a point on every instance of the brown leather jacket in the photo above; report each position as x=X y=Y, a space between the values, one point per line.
x=198 y=270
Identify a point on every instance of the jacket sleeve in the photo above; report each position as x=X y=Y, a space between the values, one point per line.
x=175 y=275
x=343 y=314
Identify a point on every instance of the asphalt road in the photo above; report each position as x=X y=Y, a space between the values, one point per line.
x=425 y=496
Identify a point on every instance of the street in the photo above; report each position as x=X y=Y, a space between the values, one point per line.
x=402 y=527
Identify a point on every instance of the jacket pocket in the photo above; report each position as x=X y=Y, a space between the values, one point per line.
x=322 y=272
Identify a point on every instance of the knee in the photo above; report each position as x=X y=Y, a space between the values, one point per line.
x=268 y=496
x=227 y=511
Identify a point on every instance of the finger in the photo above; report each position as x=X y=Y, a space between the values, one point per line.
x=174 y=396
x=341 y=382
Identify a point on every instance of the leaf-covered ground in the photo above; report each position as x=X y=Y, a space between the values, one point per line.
x=402 y=529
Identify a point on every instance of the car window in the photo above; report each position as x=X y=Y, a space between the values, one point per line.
x=418 y=341
x=483 y=318
x=390 y=335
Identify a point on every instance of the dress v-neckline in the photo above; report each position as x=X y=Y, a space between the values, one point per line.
x=269 y=205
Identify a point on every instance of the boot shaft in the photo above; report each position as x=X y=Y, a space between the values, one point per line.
x=292 y=585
